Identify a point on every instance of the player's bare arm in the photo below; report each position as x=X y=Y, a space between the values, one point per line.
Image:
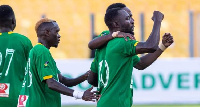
x=103 y=40
x=148 y=59
x=69 y=82
x=151 y=43
x=93 y=79
x=56 y=86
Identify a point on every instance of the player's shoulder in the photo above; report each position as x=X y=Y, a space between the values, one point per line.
x=17 y=35
x=40 y=49
x=122 y=40
x=106 y=32
x=21 y=38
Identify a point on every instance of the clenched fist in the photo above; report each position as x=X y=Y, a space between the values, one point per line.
x=167 y=39
x=157 y=16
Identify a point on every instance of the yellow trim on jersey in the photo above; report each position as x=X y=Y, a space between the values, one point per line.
x=136 y=44
x=47 y=77
x=10 y=32
x=39 y=43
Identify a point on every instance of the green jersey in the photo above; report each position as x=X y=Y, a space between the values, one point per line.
x=35 y=92
x=97 y=63
x=14 y=50
x=114 y=64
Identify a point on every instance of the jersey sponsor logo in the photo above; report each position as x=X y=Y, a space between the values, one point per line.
x=4 y=89
x=22 y=100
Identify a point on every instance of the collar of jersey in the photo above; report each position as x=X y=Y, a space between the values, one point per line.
x=39 y=43
x=6 y=32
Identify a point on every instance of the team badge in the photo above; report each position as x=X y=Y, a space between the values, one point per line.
x=46 y=64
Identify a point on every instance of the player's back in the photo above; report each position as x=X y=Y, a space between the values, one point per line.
x=14 y=49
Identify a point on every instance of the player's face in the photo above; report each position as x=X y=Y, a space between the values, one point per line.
x=125 y=21
x=54 y=38
x=130 y=13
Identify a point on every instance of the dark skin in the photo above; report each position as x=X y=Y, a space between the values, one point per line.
x=103 y=40
x=93 y=79
x=152 y=42
x=69 y=82
x=143 y=47
x=10 y=21
x=146 y=60
x=49 y=37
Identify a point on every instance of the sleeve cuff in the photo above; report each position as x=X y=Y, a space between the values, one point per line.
x=135 y=43
x=47 y=77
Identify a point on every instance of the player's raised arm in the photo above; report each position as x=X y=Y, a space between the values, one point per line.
x=99 y=41
x=73 y=81
x=57 y=86
x=148 y=59
x=152 y=42
x=104 y=39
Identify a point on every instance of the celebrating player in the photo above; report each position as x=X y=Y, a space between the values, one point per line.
x=14 y=50
x=113 y=64
x=43 y=82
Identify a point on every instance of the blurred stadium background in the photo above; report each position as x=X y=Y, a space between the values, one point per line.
x=80 y=20
x=74 y=19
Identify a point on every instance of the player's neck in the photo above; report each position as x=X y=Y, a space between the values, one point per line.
x=3 y=29
x=44 y=43
x=114 y=30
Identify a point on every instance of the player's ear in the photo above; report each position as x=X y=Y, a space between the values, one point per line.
x=115 y=24
x=13 y=23
x=46 y=33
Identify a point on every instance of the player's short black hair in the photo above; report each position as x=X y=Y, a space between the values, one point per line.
x=110 y=16
x=116 y=5
x=43 y=27
x=6 y=13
